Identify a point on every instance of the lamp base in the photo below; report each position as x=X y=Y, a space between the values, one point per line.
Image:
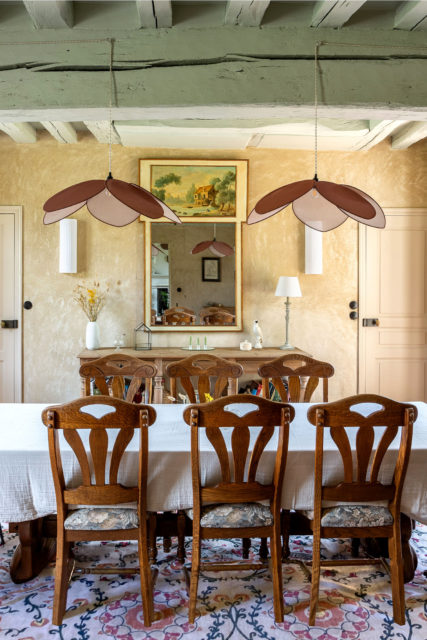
x=287 y=346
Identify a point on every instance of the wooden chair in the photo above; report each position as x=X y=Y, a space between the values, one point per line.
x=203 y=373
x=361 y=519
x=218 y=318
x=178 y=316
x=234 y=504
x=109 y=374
x=102 y=523
x=210 y=374
x=295 y=366
x=300 y=389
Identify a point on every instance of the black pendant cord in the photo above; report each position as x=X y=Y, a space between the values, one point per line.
x=110 y=114
x=316 y=53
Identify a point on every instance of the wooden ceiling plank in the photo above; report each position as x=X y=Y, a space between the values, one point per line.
x=154 y=14
x=411 y=16
x=21 y=132
x=334 y=14
x=50 y=14
x=64 y=132
x=245 y=13
x=409 y=135
x=101 y=131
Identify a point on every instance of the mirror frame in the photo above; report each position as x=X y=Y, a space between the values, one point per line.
x=237 y=282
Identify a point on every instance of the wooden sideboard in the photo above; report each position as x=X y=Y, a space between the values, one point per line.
x=161 y=356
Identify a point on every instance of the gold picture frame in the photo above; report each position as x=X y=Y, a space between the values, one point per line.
x=198 y=190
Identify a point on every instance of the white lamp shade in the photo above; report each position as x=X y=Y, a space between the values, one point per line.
x=68 y=246
x=313 y=251
x=288 y=286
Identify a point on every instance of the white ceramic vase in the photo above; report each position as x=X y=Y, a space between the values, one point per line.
x=92 y=335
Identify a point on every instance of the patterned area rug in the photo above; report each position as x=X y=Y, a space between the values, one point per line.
x=355 y=603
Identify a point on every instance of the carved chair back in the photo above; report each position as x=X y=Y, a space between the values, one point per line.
x=297 y=368
x=205 y=373
x=109 y=374
x=217 y=318
x=99 y=471
x=363 y=485
x=176 y=317
x=238 y=480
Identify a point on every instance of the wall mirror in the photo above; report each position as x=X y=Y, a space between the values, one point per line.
x=186 y=292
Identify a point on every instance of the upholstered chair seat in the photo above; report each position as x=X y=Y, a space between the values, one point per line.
x=228 y=516
x=354 y=515
x=102 y=519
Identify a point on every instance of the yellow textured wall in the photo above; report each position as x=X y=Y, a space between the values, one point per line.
x=54 y=328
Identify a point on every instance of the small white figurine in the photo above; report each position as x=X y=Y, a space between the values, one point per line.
x=256 y=330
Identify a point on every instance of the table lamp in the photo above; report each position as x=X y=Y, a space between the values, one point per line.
x=288 y=287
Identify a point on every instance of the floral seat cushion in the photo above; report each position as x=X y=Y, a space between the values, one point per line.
x=245 y=514
x=354 y=515
x=102 y=519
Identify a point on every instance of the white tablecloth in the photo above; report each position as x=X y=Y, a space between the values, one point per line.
x=26 y=488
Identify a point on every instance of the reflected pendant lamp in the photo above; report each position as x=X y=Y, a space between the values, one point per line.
x=220 y=249
x=319 y=204
x=112 y=201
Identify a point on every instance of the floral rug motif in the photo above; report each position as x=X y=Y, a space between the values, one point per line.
x=355 y=602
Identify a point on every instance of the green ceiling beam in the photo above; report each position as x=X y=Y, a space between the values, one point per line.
x=213 y=67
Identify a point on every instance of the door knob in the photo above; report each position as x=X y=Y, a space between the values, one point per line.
x=9 y=324
x=370 y=322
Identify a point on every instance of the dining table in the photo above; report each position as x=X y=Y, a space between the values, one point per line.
x=27 y=497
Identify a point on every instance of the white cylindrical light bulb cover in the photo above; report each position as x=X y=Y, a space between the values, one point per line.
x=68 y=246
x=313 y=251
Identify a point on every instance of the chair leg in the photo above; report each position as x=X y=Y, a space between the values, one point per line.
x=263 y=549
x=145 y=577
x=181 y=535
x=396 y=570
x=315 y=577
x=195 y=567
x=276 y=562
x=285 y=522
x=167 y=543
x=246 y=545
x=1 y=535
x=62 y=576
x=355 y=544
x=152 y=545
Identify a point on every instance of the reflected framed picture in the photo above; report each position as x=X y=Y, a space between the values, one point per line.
x=198 y=190
x=211 y=270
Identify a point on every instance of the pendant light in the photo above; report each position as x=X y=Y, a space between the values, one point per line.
x=318 y=204
x=112 y=201
x=220 y=249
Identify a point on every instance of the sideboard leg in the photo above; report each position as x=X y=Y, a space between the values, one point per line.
x=33 y=552
x=158 y=390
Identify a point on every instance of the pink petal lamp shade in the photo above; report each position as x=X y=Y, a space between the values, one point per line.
x=114 y=202
x=220 y=249
x=320 y=205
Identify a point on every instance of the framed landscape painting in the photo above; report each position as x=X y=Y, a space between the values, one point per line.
x=199 y=190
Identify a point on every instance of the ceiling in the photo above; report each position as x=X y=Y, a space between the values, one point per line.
x=181 y=67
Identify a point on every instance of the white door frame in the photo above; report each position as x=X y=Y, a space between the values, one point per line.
x=17 y=314
x=362 y=288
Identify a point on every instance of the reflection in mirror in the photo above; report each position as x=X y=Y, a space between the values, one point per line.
x=192 y=289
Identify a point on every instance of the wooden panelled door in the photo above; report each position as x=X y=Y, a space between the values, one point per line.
x=10 y=304
x=393 y=306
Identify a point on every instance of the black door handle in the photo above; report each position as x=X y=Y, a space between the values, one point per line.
x=9 y=324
